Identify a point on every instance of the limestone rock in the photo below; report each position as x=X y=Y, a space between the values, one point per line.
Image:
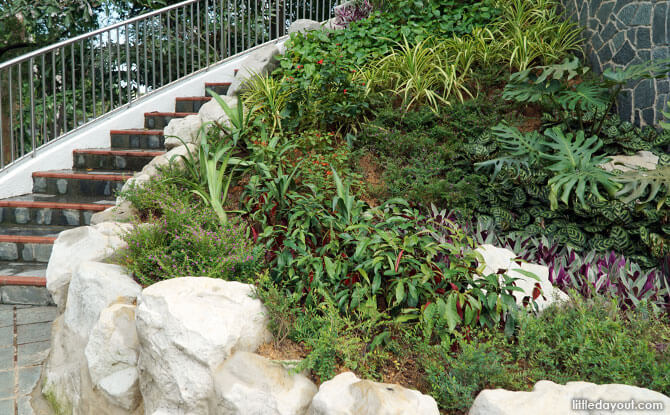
x=123 y=212
x=248 y=384
x=304 y=25
x=137 y=180
x=262 y=61
x=187 y=327
x=346 y=394
x=122 y=388
x=94 y=287
x=502 y=258
x=67 y=381
x=173 y=157
x=212 y=111
x=187 y=129
x=642 y=159
x=111 y=355
x=74 y=246
x=549 y=398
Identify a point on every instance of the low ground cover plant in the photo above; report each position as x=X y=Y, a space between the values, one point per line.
x=322 y=192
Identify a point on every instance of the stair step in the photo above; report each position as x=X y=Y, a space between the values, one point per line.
x=190 y=104
x=50 y=210
x=24 y=283
x=220 y=88
x=28 y=243
x=159 y=120
x=137 y=139
x=113 y=159
x=27 y=270
x=79 y=183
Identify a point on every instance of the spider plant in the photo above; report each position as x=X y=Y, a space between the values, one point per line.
x=420 y=73
x=268 y=96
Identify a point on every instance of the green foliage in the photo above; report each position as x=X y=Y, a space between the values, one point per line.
x=592 y=341
x=182 y=237
x=570 y=158
x=639 y=183
x=576 y=167
x=456 y=378
x=419 y=74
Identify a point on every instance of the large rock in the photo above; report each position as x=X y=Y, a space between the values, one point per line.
x=111 y=355
x=74 y=246
x=248 y=384
x=94 y=287
x=262 y=61
x=304 y=25
x=642 y=159
x=187 y=328
x=187 y=129
x=123 y=212
x=346 y=394
x=212 y=111
x=174 y=157
x=549 y=398
x=496 y=259
x=67 y=382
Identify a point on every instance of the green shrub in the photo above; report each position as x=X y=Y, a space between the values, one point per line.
x=592 y=341
x=455 y=378
x=184 y=237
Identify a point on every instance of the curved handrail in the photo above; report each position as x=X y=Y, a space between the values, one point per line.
x=50 y=92
x=96 y=32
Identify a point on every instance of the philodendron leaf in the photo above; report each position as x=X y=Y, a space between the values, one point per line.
x=638 y=183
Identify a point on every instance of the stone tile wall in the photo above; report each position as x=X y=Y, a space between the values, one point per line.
x=623 y=32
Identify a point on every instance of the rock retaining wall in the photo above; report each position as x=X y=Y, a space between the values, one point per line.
x=623 y=32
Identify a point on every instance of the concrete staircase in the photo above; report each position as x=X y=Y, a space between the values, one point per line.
x=64 y=199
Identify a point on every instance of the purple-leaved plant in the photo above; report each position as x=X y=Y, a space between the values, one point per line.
x=353 y=12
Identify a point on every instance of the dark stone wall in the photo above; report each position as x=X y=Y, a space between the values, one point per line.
x=623 y=32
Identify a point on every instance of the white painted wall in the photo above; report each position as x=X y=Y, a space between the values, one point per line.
x=17 y=180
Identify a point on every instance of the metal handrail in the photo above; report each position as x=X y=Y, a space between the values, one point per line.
x=66 y=42
x=50 y=92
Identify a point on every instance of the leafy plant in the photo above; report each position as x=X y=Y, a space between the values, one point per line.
x=269 y=96
x=419 y=74
x=570 y=157
x=639 y=183
x=576 y=167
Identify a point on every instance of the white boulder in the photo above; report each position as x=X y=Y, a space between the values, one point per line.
x=173 y=157
x=549 y=398
x=496 y=259
x=212 y=111
x=262 y=61
x=187 y=327
x=304 y=25
x=67 y=382
x=248 y=384
x=187 y=129
x=122 y=388
x=74 y=246
x=642 y=159
x=346 y=394
x=122 y=212
x=94 y=287
x=111 y=355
